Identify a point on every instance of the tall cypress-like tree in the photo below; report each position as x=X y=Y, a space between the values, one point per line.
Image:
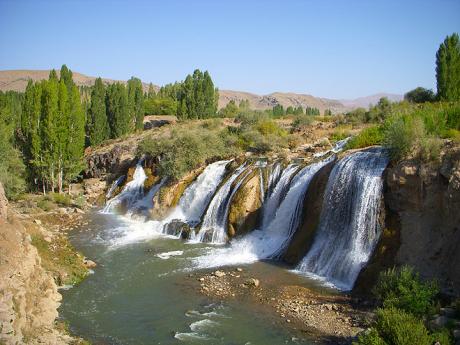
x=97 y=126
x=117 y=110
x=136 y=103
x=448 y=69
x=210 y=96
x=76 y=138
x=50 y=113
x=62 y=131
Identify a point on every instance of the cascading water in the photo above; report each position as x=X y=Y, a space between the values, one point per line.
x=196 y=197
x=348 y=229
x=143 y=205
x=215 y=219
x=272 y=240
x=276 y=191
x=338 y=147
x=275 y=174
x=133 y=191
x=114 y=185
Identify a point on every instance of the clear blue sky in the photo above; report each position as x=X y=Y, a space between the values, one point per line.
x=336 y=49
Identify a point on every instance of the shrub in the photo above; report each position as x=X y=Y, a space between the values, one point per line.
x=442 y=337
x=371 y=337
x=61 y=199
x=367 y=137
x=400 y=328
x=301 y=122
x=402 y=288
x=46 y=205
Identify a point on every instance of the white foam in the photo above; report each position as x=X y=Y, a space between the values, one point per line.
x=167 y=255
x=202 y=325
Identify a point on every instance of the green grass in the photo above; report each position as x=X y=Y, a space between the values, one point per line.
x=61 y=259
x=367 y=137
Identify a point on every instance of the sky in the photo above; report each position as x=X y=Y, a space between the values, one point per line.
x=337 y=49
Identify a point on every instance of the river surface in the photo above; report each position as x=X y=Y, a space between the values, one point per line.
x=141 y=292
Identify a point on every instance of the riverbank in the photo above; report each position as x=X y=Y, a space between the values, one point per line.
x=328 y=316
x=36 y=260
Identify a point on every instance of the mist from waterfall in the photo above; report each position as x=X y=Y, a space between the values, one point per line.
x=349 y=228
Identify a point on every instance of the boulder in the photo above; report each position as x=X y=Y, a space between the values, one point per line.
x=178 y=228
x=313 y=202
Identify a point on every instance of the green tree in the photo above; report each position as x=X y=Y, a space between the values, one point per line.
x=117 y=110
x=136 y=103
x=448 y=69
x=210 y=95
x=290 y=110
x=230 y=110
x=420 y=95
x=62 y=131
x=278 y=110
x=97 y=125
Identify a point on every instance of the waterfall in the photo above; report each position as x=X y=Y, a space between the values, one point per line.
x=114 y=185
x=133 y=191
x=143 y=205
x=196 y=197
x=271 y=240
x=215 y=219
x=338 y=147
x=275 y=174
x=348 y=229
x=278 y=184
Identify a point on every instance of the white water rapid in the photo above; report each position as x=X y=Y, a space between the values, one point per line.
x=349 y=229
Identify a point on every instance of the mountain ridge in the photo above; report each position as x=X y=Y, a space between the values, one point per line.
x=16 y=80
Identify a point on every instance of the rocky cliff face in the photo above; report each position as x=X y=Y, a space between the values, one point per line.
x=28 y=294
x=245 y=207
x=422 y=229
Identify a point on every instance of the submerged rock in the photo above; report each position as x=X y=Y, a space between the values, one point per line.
x=178 y=228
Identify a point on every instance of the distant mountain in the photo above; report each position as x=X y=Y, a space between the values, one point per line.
x=364 y=102
x=17 y=80
x=285 y=99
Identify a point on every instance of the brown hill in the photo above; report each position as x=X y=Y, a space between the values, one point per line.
x=285 y=99
x=16 y=80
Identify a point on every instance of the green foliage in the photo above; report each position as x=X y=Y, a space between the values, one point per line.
x=301 y=122
x=197 y=97
x=420 y=95
x=328 y=112
x=278 y=111
x=136 y=103
x=230 y=110
x=402 y=288
x=367 y=137
x=448 y=69
x=160 y=106
x=46 y=204
x=397 y=327
x=185 y=149
x=118 y=110
x=312 y=111
x=371 y=337
x=61 y=199
x=97 y=125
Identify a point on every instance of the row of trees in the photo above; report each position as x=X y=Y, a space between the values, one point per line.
x=194 y=98
x=52 y=130
x=115 y=110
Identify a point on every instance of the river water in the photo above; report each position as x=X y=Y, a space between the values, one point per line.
x=141 y=292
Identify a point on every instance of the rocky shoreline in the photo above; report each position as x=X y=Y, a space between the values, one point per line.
x=326 y=317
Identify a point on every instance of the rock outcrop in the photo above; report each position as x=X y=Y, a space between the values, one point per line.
x=245 y=207
x=422 y=221
x=28 y=294
x=312 y=206
x=169 y=195
x=115 y=161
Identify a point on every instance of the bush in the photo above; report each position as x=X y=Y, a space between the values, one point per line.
x=400 y=328
x=61 y=199
x=402 y=288
x=301 y=122
x=370 y=337
x=367 y=137
x=46 y=205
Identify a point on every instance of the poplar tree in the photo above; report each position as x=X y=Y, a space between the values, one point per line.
x=97 y=127
x=448 y=69
x=62 y=131
x=136 y=103
x=117 y=110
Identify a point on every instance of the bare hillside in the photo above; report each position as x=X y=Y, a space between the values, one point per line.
x=16 y=80
x=285 y=99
